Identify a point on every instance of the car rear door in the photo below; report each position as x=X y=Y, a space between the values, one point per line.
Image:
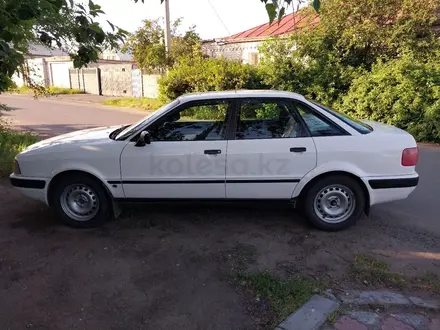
x=269 y=150
x=186 y=157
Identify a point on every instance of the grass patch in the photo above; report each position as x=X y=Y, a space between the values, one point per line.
x=46 y=91
x=428 y=282
x=11 y=143
x=284 y=296
x=334 y=316
x=63 y=90
x=143 y=103
x=21 y=90
x=373 y=272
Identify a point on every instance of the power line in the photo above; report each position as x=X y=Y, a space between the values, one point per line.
x=218 y=16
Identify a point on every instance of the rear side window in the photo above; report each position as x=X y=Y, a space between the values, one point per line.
x=318 y=125
x=353 y=123
x=267 y=119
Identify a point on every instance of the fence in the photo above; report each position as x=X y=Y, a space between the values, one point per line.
x=86 y=79
x=115 y=80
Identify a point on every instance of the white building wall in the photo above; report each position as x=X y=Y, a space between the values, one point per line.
x=17 y=78
x=59 y=73
x=150 y=87
x=38 y=72
x=246 y=52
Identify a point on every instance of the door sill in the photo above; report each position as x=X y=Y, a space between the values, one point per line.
x=203 y=200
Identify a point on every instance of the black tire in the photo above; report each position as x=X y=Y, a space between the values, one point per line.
x=339 y=181
x=104 y=208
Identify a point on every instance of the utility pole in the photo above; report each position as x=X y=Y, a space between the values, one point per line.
x=167 y=27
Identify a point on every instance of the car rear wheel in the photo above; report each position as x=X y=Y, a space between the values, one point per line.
x=334 y=203
x=81 y=201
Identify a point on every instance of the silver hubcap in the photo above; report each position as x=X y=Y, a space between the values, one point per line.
x=79 y=202
x=335 y=203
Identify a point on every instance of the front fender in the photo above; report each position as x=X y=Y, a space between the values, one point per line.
x=115 y=190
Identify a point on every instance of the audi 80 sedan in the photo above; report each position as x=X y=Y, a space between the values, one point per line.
x=235 y=145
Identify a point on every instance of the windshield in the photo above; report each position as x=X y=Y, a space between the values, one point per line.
x=353 y=123
x=135 y=127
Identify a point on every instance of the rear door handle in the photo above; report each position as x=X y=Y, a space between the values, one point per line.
x=213 y=152
x=298 y=149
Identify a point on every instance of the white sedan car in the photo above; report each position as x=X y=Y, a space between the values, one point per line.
x=239 y=145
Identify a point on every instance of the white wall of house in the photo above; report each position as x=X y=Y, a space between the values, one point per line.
x=246 y=52
x=150 y=87
x=17 y=78
x=38 y=71
x=59 y=73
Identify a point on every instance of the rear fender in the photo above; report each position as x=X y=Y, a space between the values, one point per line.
x=326 y=168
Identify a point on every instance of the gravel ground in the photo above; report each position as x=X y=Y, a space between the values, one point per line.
x=165 y=267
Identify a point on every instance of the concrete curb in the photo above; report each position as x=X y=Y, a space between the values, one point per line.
x=386 y=298
x=314 y=313
x=311 y=316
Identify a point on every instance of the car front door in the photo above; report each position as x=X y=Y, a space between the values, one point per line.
x=186 y=157
x=269 y=151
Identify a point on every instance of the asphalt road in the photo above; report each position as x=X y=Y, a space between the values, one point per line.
x=49 y=117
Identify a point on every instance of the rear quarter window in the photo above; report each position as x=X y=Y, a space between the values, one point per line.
x=353 y=123
x=317 y=124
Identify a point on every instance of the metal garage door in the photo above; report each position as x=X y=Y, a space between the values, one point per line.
x=60 y=74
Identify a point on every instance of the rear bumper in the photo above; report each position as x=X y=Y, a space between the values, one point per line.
x=387 y=189
x=34 y=188
x=394 y=183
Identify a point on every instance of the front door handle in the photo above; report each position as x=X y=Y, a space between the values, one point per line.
x=298 y=149
x=213 y=152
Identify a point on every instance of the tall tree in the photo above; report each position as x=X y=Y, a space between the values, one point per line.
x=54 y=23
x=69 y=24
x=352 y=35
x=148 y=49
x=277 y=8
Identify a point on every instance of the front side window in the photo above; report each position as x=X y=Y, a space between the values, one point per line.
x=204 y=121
x=317 y=124
x=130 y=130
x=267 y=119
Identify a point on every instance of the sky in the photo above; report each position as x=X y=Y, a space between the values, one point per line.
x=237 y=15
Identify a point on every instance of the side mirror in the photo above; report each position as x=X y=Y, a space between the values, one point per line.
x=144 y=139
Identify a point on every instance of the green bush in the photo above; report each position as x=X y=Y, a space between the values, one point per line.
x=403 y=92
x=207 y=74
x=11 y=143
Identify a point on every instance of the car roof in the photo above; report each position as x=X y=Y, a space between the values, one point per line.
x=239 y=94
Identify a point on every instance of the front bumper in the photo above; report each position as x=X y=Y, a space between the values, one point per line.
x=34 y=188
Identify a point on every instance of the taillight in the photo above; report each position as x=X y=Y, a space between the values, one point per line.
x=410 y=156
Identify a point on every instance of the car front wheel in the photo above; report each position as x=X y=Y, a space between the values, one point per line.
x=81 y=201
x=334 y=203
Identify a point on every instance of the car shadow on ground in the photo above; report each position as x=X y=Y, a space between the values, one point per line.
x=4 y=109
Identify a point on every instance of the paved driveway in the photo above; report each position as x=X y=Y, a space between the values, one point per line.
x=49 y=117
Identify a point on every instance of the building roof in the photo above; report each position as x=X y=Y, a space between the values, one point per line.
x=286 y=25
x=38 y=50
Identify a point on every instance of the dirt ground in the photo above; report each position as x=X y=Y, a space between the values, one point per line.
x=166 y=266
